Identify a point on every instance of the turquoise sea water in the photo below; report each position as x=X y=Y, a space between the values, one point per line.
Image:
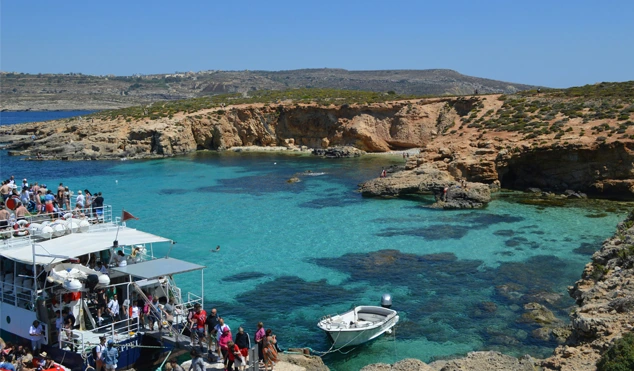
x=294 y=252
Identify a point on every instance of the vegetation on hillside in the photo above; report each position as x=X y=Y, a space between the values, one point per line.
x=620 y=357
x=536 y=114
x=319 y=96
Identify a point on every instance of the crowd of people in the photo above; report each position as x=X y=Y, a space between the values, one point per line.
x=22 y=358
x=21 y=200
x=221 y=346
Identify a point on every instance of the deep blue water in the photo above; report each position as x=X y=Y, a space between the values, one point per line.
x=294 y=252
x=11 y=117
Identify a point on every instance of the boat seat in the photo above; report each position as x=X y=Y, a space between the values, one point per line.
x=27 y=284
x=8 y=283
x=18 y=284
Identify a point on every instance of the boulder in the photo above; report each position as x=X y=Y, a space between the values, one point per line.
x=490 y=361
x=338 y=152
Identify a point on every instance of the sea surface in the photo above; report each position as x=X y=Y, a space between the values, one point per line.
x=13 y=117
x=294 y=252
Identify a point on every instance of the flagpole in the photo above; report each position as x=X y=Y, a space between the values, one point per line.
x=115 y=243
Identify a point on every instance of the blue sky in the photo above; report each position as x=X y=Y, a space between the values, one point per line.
x=551 y=43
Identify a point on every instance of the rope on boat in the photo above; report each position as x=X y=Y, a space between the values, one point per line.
x=337 y=350
x=159 y=368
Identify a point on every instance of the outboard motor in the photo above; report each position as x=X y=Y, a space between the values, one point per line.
x=91 y=281
x=386 y=301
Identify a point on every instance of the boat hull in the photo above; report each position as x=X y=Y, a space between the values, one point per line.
x=349 y=329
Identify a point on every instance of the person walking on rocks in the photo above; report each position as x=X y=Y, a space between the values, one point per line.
x=197 y=361
x=259 y=339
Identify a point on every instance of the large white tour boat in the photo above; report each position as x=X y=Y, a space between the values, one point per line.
x=47 y=266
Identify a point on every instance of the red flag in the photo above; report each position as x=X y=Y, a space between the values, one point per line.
x=127 y=216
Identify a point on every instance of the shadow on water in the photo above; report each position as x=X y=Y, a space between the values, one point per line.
x=453 y=300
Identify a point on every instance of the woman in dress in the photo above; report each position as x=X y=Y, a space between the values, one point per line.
x=270 y=353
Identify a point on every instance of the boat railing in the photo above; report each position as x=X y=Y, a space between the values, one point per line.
x=18 y=295
x=20 y=234
x=84 y=341
x=192 y=299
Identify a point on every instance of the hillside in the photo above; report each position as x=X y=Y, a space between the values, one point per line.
x=76 y=91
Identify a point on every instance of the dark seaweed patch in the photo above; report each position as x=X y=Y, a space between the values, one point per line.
x=289 y=293
x=320 y=203
x=245 y=276
x=173 y=191
x=586 y=248
x=435 y=232
x=504 y=232
x=515 y=241
x=597 y=215
x=255 y=185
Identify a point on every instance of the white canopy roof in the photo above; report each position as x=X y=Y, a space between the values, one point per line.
x=77 y=244
x=158 y=267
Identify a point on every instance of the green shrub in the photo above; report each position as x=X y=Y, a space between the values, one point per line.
x=620 y=357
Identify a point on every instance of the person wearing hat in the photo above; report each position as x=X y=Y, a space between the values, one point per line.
x=35 y=331
x=175 y=366
x=223 y=343
x=110 y=356
x=81 y=199
x=99 y=353
x=25 y=184
x=46 y=362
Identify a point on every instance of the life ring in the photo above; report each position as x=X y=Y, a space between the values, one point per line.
x=21 y=228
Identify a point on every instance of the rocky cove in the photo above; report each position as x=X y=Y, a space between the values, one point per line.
x=450 y=151
x=451 y=134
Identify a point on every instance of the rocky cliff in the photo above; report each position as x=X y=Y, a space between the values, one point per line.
x=376 y=127
x=575 y=140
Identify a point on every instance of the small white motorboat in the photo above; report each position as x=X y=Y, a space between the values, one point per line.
x=358 y=325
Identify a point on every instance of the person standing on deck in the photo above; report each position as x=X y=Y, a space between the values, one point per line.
x=4 y=216
x=35 y=331
x=20 y=211
x=113 y=308
x=81 y=199
x=97 y=205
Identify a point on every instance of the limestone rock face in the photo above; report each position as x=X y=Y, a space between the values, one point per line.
x=429 y=179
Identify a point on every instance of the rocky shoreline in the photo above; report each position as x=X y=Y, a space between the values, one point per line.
x=605 y=311
x=461 y=137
